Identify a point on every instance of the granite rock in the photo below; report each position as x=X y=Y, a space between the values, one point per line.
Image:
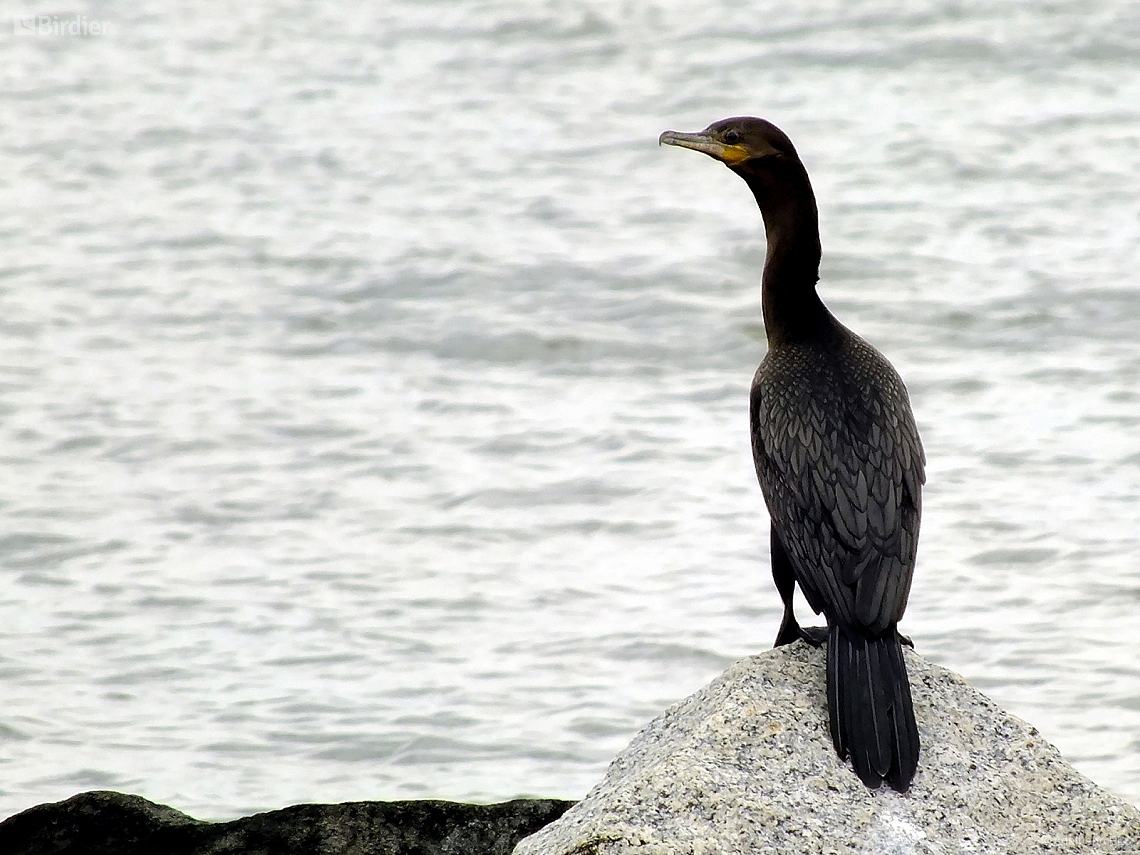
x=746 y=765
x=108 y=823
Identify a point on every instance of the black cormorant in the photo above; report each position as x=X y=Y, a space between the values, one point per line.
x=839 y=461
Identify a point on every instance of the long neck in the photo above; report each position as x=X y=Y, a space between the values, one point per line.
x=792 y=309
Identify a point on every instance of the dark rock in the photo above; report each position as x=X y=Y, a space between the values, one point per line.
x=107 y=823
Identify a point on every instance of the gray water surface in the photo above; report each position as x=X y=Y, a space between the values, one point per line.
x=374 y=409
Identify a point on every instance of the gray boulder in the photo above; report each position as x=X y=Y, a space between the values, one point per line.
x=107 y=823
x=746 y=766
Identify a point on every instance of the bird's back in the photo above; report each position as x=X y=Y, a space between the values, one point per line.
x=841 y=466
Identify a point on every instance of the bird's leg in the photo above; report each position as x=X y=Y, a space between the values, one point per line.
x=785 y=578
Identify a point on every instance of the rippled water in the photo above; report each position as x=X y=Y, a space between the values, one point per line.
x=374 y=388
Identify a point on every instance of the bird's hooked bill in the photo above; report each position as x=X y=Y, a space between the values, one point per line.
x=706 y=143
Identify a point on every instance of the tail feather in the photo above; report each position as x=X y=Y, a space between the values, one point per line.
x=869 y=707
x=835 y=690
x=879 y=752
x=905 y=727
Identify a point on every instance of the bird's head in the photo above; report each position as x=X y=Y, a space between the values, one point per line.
x=743 y=143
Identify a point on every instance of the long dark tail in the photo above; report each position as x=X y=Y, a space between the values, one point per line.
x=868 y=703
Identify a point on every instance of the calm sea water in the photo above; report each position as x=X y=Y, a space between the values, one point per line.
x=374 y=388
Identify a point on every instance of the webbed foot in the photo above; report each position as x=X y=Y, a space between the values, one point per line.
x=814 y=635
x=791 y=631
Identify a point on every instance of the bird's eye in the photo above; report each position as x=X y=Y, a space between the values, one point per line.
x=732 y=138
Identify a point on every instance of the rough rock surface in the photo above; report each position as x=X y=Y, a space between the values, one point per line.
x=746 y=766
x=107 y=823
